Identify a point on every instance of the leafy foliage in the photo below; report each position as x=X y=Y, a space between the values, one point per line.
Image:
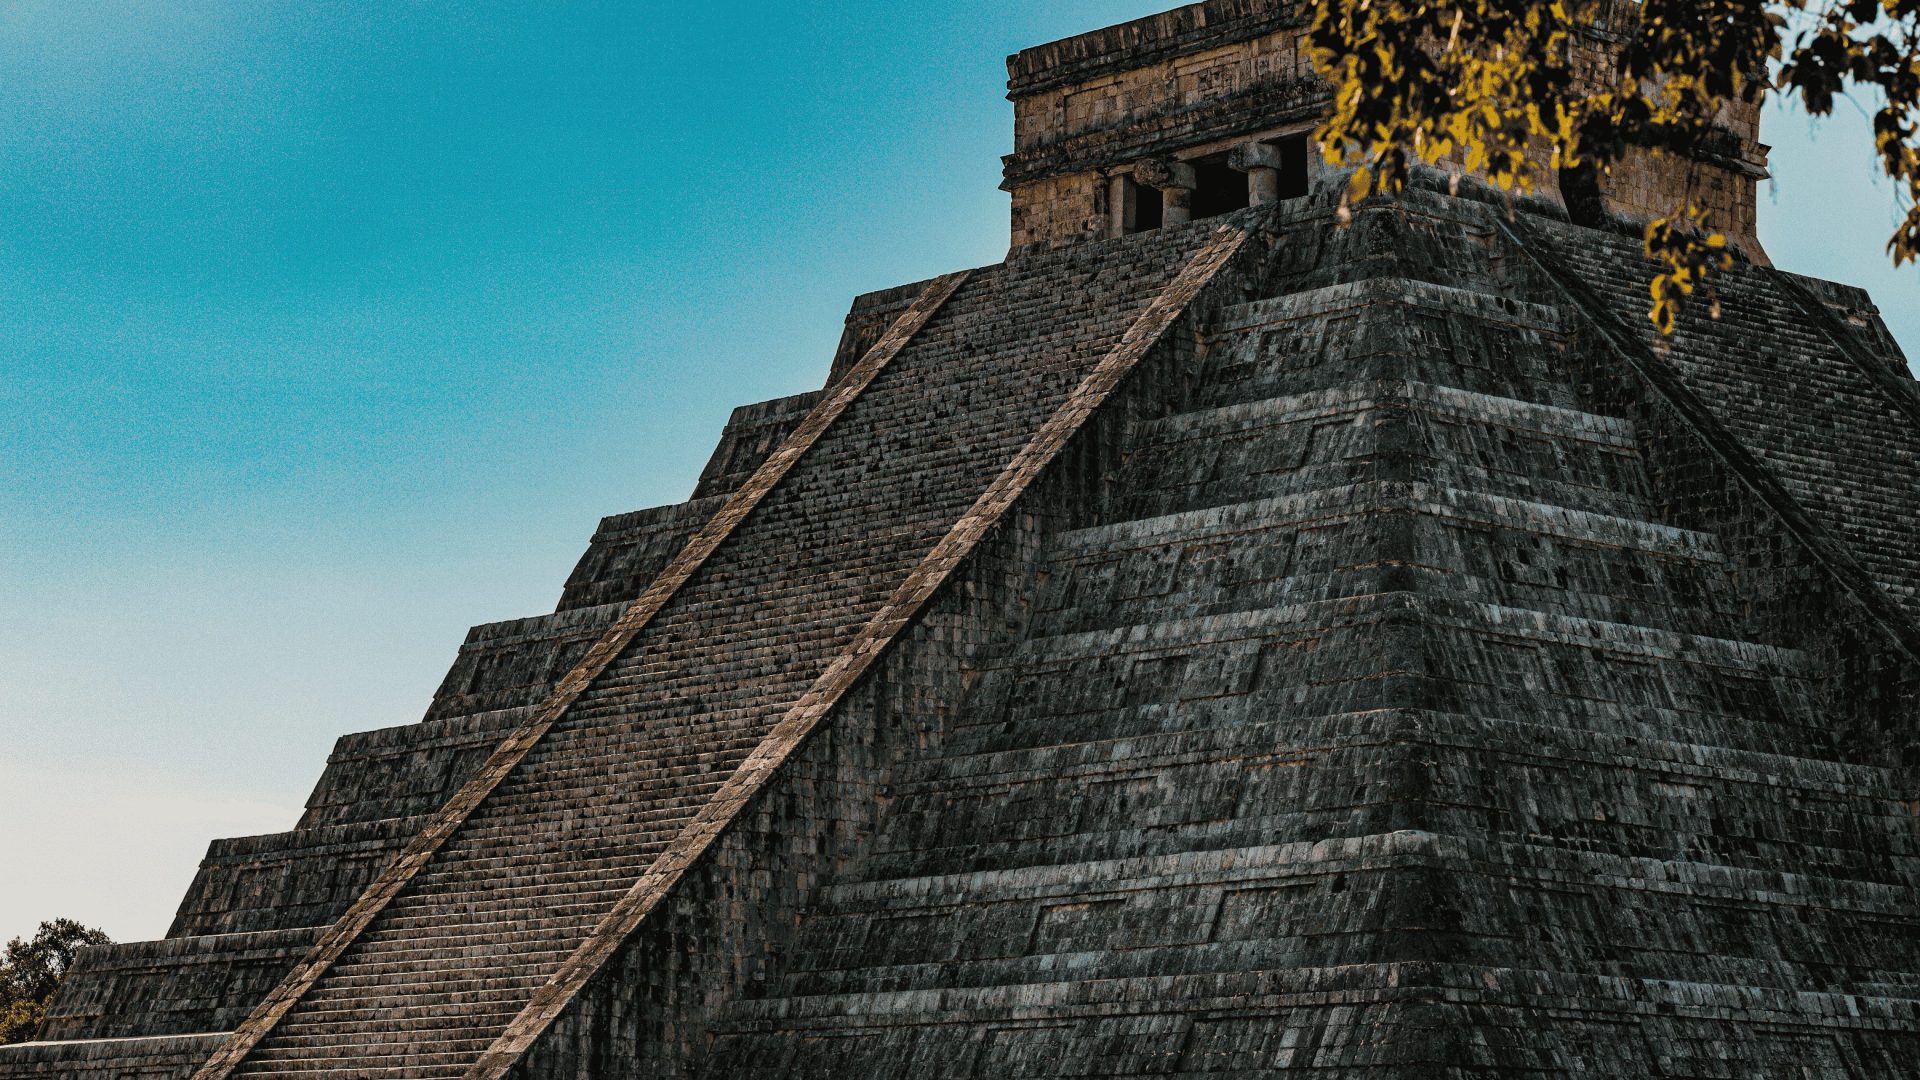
x=31 y=970
x=1511 y=88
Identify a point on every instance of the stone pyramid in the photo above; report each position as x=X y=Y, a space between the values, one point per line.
x=1217 y=641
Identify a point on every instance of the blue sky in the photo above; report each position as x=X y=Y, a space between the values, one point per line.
x=331 y=328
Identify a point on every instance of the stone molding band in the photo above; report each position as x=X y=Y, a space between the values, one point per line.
x=1154 y=39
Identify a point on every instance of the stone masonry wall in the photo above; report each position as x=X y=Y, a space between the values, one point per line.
x=867 y=319
x=627 y=550
x=160 y=1057
x=511 y=665
x=752 y=433
x=179 y=986
x=1389 y=728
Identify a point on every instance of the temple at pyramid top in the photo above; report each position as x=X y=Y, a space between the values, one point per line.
x=1206 y=109
x=1220 y=640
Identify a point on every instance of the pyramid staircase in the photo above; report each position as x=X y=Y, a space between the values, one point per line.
x=576 y=761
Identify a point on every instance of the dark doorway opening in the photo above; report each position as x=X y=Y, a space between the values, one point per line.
x=1146 y=208
x=1294 y=181
x=1221 y=189
x=1586 y=202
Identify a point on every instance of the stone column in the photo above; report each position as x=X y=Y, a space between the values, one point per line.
x=1176 y=181
x=1261 y=162
x=1119 y=205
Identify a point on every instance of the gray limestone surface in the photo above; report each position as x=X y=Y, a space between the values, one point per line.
x=1404 y=665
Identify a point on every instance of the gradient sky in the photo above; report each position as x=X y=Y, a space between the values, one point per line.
x=330 y=329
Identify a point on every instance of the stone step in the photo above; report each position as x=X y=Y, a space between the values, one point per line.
x=1373 y=652
x=497 y=926
x=515 y=663
x=528 y=887
x=1280 y=1023
x=705 y=771
x=516 y=902
x=611 y=830
x=1313 y=947
x=1264 y=991
x=435 y=1035
x=1332 y=857
x=588 y=857
x=413 y=1005
x=628 y=550
x=1408 y=895
x=421 y=1010
x=394 y=970
x=1301 y=343
x=1332 y=505
x=530 y=795
x=1208 y=581
x=1389 y=430
x=722 y=714
x=378 y=1067
x=1260 y=553
x=389 y=1059
x=1205 y=786
x=1467 y=406
x=1188 y=484
x=956 y=772
x=643 y=675
x=326 y=1009
x=197 y=983
x=143 y=1056
x=1425 y=610
x=1763 y=729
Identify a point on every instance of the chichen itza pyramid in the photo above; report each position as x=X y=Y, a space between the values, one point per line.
x=1216 y=641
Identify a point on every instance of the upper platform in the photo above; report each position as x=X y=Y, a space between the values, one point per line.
x=1208 y=108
